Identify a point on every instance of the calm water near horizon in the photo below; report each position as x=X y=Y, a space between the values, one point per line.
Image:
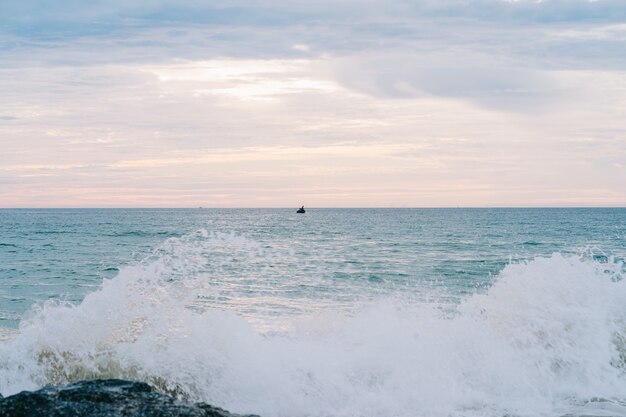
x=336 y=312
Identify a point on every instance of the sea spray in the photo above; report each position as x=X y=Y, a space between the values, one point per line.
x=545 y=339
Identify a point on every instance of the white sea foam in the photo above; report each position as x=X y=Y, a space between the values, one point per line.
x=548 y=338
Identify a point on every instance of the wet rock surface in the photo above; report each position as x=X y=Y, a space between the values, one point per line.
x=103 y=398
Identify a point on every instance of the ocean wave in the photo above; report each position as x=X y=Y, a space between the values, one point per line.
x=547 y=338
x=142 y=233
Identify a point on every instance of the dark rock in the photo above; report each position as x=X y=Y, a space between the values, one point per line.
x=103 y=398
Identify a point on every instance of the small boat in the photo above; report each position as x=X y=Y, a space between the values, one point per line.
x=301 y=210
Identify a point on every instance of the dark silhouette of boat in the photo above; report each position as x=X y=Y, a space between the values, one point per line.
x=301 y=210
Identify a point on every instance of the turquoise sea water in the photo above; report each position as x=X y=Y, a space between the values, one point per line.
x=337 y=312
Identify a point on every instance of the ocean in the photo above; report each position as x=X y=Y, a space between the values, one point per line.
x=331 y=313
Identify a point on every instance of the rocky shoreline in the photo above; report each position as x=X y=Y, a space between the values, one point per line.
x=103 y=398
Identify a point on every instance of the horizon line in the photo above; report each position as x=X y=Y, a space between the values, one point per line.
x=314 y=208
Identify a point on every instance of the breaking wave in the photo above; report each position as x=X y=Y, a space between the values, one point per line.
x=547 y=338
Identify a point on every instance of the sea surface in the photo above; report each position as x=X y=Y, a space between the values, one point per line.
x=332 y=313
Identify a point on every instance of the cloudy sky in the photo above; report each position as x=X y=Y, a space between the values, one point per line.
x=327 y=103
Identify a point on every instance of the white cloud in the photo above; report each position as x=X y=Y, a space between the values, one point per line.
x=301 y=47
x=404 y=103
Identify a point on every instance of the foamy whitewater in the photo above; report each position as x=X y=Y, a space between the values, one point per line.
x=267 y=322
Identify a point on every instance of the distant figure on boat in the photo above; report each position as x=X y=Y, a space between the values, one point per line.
x=301 y=210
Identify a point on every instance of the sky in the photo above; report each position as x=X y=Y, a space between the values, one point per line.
x=343 y=103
